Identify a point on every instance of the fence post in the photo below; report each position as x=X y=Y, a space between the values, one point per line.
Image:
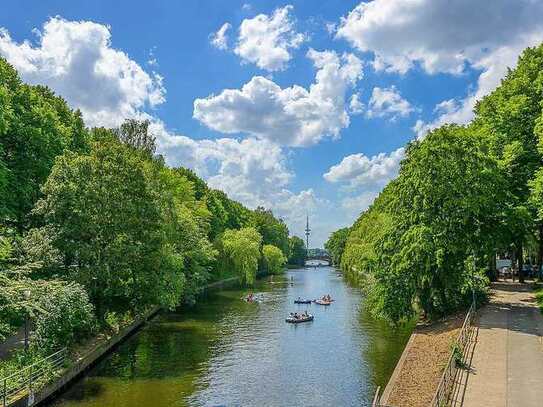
x=30 y=380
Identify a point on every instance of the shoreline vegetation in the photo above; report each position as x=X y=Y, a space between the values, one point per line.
x=95 y=228
x=465 y=195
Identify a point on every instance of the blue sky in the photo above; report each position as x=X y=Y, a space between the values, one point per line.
x=288 y=134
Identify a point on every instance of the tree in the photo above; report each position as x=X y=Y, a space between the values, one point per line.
x=336 y=244
x=297 y=253
x=273 y=231
x=273 y=258
x=415 y=246
x=35 y=127
x=508 y=117
x=243 y=249
x=106 y=224
x=135 y=133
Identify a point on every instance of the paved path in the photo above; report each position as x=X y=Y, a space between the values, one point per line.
x=12 y=343
x=507 y=357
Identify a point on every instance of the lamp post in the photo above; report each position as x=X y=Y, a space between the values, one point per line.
x=26 y=294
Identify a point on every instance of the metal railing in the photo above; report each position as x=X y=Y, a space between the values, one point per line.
x=31 y=378
x=443 y=392
x=377 y=398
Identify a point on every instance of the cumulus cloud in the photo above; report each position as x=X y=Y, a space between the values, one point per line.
x=388 y=102
x=267 y=41
x=359 y=170
x=355 y=104
x=220 y=39
x=447 y=37
x=291 y=116
x=250 y=171
x=364 y=178
x=75 y=59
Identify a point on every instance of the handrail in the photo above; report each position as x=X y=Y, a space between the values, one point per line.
x=377 y=398
x=442 y=393
x=30 y=378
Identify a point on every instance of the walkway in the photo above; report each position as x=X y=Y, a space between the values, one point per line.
x=12 y=343
x=507 y=359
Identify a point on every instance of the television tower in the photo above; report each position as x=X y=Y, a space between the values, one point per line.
x=307 y=233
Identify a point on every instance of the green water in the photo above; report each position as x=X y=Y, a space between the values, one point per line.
x=225 y=352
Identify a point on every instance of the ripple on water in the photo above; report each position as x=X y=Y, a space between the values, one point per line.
x=227 y=352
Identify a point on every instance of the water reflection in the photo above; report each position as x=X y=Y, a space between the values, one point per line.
x=224 y=351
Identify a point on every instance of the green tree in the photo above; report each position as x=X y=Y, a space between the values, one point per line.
x=243 y=249
x=273 y=231
x=135 y=133
x=297 y=253
x=336 y=244
x=106 y=224
x=509 y=118
x=35 y=127
x=273 y=259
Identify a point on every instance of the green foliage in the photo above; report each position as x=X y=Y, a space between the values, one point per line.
x=273 y=231
x=411 y=246
x=35 y=127
x=243 y=249
x=336 y=244
x=65 y=317
x=296 y=251
x=273 y=259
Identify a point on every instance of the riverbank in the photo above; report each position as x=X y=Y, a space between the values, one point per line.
x=419 y=370
x=86 y=355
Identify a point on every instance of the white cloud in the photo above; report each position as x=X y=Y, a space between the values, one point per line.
x=291 y=116
x=358 y=170
x=76 y=60
x=220 y=39
x=446 y=36
x=267 y=41
x=355 y=105
x=388 y=102
x=251 y=171
x=364 y=178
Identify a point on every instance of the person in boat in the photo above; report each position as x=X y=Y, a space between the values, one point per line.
x=296 y=316
x=328 y=298
x=323 y=298
x=250 y=297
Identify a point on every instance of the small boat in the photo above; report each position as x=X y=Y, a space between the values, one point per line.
x=302 y=301
x=254 y=298
x=322 y=302
x=292 y=320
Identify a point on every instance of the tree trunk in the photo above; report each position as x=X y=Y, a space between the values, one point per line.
x=520 y=264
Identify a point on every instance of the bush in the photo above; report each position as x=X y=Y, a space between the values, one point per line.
x=273 y=258
x=66 y=317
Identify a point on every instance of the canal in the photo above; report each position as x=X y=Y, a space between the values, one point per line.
x=225 y=352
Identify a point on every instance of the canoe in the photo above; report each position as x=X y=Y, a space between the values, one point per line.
x=321 y=302
x=302 y=301
x=298 y=320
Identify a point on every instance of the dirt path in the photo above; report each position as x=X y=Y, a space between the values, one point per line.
x=507 y=362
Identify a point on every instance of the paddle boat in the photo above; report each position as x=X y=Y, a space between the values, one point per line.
x=252 y=298
x=322 y=302
x=301 y=318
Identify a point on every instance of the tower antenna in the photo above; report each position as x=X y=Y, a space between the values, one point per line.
x=307 y=233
